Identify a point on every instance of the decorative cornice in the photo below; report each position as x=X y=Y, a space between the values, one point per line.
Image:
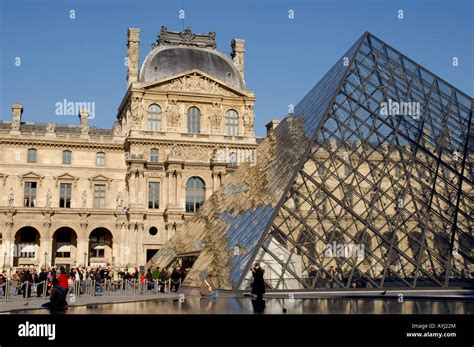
x=58 y=142
x=209 y=144
x=186 y=38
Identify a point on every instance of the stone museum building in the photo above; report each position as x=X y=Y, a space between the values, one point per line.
x=75 y=195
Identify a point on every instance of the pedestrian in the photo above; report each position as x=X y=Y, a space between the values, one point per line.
x=149 y=279
x=63 y=279
x=3 y=284
x=208 y=288
x=42 y=281
x=258 y=286
x=27 y=283
x=57 y=299
x=175 y=279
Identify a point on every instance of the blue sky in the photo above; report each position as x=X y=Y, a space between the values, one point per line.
x=82 y=59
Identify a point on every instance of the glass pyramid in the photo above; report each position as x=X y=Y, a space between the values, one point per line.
x=367 y=185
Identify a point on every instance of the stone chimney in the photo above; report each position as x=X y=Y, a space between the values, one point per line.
x=271 y=126
x=17 y=110
x=133 y=45
x=238 y=54
x=84 y=121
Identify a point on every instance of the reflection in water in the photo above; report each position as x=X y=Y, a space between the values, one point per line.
x=229 y=305
x=258 y=305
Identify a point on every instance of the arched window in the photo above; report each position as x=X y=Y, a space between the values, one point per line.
x=194 y=194
x=154 y=117
x=154 y=155
x=194 y=120
x=100 y=159
x=232 y=123
x=67 y=155
x=31 y=155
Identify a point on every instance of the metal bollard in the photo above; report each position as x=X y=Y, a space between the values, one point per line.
x=25 y=293
x=45 y=289
x=7 y=296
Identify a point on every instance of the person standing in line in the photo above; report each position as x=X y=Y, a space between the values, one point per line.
x=3 y=283
x=258 y=286
x=27 y=283
x=63 y=279
x=42 y=281
x=57 y=298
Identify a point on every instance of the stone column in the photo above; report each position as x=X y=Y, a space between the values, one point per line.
x=178 y=187
x=133 y=45
x=168 y=189
x=131 y=188
x=17 y=110
x=141 y=188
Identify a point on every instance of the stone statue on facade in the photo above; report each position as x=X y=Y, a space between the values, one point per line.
x=15 y=125
x=137 y=110
x=50 y=128
x=172 y=115
x=11 y=198
x=85 y=130
x=215 y=117
x=175 y=152
x=119 y=200
x=248 y=119
x=84 y=199
x=49 y=196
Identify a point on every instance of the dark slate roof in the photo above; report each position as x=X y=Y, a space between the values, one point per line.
x=171 y=60
x=60 y=129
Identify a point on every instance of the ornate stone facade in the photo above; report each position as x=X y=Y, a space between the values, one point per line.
x=75 y=195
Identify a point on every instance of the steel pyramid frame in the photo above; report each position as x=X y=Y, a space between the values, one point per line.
x=367 y=185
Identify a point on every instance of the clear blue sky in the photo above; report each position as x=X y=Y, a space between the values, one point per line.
x=82 y=59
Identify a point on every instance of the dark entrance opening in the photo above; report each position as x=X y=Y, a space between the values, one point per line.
x=150 y=253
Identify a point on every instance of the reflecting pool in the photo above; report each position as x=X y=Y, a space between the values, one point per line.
x=231 y=305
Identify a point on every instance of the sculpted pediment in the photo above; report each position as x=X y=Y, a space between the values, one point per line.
x=31 y=176
x=100 y=179
x=65 y=177
x=194 y=81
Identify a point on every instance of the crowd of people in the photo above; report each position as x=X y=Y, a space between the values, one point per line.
x=23 y=282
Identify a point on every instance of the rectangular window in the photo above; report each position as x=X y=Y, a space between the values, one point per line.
x=154 y=195
x=154 y=156
x=63 y=254
x=99 y=196
x=100 y=159
x=30 y=194
x=65 y=192
x=97 y=253
x=31 y=155
x=67 y=157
